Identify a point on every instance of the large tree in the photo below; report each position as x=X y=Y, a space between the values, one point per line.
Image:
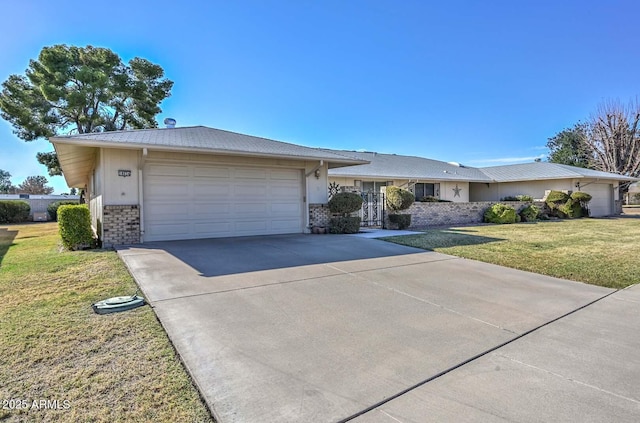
x=5 y=182
x=80 y=90
x=614 y=138
x=35 y=185
x=569 y=147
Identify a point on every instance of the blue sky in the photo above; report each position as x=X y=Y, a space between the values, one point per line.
x=477 y=82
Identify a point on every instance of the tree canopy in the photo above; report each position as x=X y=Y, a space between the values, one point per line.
x=568 y=147
x=5 y=182
x=80 y=90
x=609 y=141
x=35 y=185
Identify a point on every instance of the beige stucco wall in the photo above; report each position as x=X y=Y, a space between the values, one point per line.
x=536 y=189
x=120 y=190
x=95 y=193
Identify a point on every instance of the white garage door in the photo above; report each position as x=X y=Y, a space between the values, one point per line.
x=186 y=201
x=602 y=202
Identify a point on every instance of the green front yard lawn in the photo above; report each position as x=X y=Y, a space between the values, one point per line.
x=90 y=368
x=596 y=251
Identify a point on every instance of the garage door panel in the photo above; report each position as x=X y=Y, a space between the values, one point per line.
x=203 y=201
x=201 y=189
x=601 y=203
x=286 y=174
x=249 y=173
x=212 y=172
x=286 y=209
x=211 y=210
x=250 y=191
x=164 y=171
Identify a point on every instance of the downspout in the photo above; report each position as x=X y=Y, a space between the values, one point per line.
x=145 y=152
x=306 y=193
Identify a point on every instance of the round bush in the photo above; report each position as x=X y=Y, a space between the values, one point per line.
x=52 y=209
x=344 y=225
x=345 y=202
x=529 y=213
x=500 y=213
x=399 y=199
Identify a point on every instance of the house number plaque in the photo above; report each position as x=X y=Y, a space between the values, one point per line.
x=123 y=172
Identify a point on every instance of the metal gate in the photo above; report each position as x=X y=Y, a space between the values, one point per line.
x=372 y=212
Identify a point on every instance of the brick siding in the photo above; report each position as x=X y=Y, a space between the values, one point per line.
x=319 y=215
x=442 y=214
x=120 y=225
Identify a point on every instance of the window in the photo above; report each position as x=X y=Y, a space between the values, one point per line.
x=424 y=190
x=372 y=186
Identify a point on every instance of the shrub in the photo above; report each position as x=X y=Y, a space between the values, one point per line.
x=500 y=213
x=399 y=199
x=403 y=221
x=509 y=198
x=14 y=211
x=52 y=209
x=344 y=203
x=74 y=225
x=529 y=213
x=344 y=225
x=524 y=198
x=557 y=200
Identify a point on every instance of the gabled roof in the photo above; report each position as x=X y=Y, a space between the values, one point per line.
x=77 y=152
x=545 y=170
x=407 y=167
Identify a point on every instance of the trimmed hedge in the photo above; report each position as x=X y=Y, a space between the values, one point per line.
x=52 y=209
x=432 y=199
x=14 y=211
x=344 y=225
x=572 y=206
x=522 y=197
x=344 y=203
x=399 y=199
x=529 y=213
x=500 y=213
x=402 y=220
x=74 y=225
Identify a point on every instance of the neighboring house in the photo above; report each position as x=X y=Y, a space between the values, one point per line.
x=458 y=183
x=195 y=182
x=633 y=195
x=423 y=177
x=39 y=203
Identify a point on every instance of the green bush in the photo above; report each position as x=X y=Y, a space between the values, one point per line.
x=524 y=198
x=14 y=211
x=344 y=225
x=344 y=203
x=500 y=213
x=74 y=225
x=399 y=199
x=557 y=200
x=403 y=221
x=529 y=213
x=509 y=198
x=52 y=209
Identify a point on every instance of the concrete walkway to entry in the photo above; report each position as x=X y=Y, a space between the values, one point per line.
x=311 y=328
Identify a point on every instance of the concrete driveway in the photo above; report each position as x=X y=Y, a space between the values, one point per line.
x=310 y=328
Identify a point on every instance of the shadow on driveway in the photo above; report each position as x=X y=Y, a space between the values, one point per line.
x=228 y=256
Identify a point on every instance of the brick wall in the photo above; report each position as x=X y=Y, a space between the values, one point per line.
x=120 y=225
x=319 y=215
x=442 y=214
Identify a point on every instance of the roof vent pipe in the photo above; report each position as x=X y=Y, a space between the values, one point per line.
x=170 y=122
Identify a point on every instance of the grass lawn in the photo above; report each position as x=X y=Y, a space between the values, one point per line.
x=596 y=251
x=110 y=368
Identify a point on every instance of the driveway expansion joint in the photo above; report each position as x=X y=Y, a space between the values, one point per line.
x=472 y=359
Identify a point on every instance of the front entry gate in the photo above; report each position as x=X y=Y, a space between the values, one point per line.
x=372 y=212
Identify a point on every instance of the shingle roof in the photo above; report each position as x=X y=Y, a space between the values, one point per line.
x=409 y=167
x=207 y=139
x=545 y=170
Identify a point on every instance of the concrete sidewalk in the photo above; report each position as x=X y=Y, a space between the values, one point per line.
x=323 y=328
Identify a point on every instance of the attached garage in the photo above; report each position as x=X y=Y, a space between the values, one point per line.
x=601 y=203
x=187 y=201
